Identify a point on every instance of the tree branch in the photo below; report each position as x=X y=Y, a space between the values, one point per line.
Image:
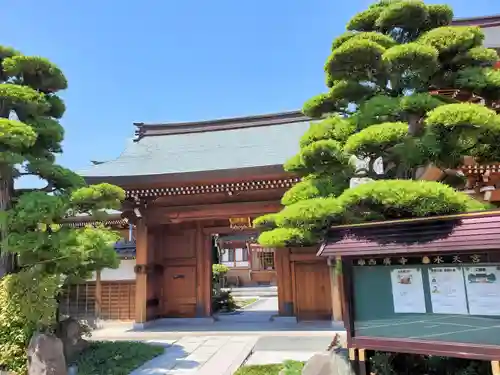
x=47 y=189
x=415 y=125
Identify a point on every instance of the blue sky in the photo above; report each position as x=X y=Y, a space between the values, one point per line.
x=162 y=61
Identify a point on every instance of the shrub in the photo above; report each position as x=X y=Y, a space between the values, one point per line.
x=19 y=321
x=223 y=301
x=219 y=270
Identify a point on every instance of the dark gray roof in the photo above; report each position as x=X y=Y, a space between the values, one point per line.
x=218 y=145
x=478 y=21
x=125 y=248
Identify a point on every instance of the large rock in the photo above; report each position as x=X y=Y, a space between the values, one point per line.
x=328 y=363
x=46 y=355
x=70 y=332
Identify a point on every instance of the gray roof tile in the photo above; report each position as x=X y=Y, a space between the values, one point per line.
x=245 y=146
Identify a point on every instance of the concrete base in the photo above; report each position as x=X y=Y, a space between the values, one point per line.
x=173 y=321
x=335 y=324
x=284 y=319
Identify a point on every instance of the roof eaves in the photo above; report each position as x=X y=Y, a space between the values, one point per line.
x=483 y=21
x=282 y=118
x=131 y=182
x=470 y=231
x=470 y=215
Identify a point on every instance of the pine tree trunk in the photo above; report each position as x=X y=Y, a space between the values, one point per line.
x=415 y=125
x=7 y=260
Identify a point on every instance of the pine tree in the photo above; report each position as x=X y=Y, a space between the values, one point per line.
x=38 y=253
x=31 y=237
x=383 y=107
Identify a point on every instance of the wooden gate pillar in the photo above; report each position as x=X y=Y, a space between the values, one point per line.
x=142 y=269
x=284 y=282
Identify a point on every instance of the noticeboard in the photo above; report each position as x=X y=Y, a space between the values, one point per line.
x=449 y=299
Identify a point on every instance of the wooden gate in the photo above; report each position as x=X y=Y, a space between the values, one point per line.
x=179 y=284
x=312 y=290
x=178 y=253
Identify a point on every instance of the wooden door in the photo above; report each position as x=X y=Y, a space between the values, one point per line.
x=179 y=291
x=312 y=291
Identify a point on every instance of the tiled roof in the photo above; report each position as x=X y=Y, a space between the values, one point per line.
x=125 y=249
x=173 y=149
x=483 y=21
x=453 y=233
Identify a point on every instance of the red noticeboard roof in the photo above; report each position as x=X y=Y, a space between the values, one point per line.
x=454 y=233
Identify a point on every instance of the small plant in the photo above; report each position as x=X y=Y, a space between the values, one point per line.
x=260 y=370
x=224 y=302
x=218 y=272
x=287 y=368
x=292 y=368
x=383 y=363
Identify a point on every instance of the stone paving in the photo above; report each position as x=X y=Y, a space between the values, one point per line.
x=277 y=349
x=202 y=355
x=178 y=329
x=261 y=311
x=221 y=346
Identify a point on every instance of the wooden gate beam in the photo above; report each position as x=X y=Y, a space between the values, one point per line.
x=166 y=215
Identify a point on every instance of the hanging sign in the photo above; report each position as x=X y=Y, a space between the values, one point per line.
x=240 y=223
x=259 y=249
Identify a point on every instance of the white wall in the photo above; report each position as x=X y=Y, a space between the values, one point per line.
x=238 y=259
x=492 y=37
x=124 y=272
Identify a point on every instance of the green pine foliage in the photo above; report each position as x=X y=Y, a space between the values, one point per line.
x=381 y=108
x=38 y=254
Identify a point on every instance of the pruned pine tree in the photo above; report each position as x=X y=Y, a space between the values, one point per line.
x=383 y=108
x=31 y=238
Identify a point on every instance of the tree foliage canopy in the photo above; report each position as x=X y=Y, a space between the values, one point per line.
x=380 y=122
x=31 y=137
x=37 y=253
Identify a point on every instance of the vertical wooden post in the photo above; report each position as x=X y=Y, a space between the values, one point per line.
x=335 y=285
x=284 y=281
x=98 y=294
x=495 y=367
x=141 y=276
x=353 y=360
x=203 y=272
x=362 y=366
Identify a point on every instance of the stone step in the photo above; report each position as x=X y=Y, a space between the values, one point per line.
x=254 y=292
x=240 y=296
x=243 y=319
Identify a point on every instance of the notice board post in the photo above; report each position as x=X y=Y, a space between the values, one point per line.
x=426 y=286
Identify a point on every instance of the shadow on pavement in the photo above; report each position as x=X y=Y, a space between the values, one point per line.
x=174 y=358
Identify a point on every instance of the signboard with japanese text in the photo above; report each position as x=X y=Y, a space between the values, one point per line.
x=431 y=301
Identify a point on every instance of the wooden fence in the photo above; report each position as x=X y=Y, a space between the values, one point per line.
x=115 y=302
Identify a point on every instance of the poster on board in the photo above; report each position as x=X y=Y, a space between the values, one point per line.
x=447 y=289
x=408 y=290
x=483 y=289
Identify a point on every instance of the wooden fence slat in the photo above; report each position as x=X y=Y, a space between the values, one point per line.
x=117 y=300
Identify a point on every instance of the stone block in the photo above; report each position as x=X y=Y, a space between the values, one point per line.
x=328 y=363
x=46 y=355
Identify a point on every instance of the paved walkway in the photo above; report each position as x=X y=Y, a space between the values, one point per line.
x=260 y=311
x=259 y=291
x=202 y=355
x=207 y=347
x=176 y=330
x=278 y=349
